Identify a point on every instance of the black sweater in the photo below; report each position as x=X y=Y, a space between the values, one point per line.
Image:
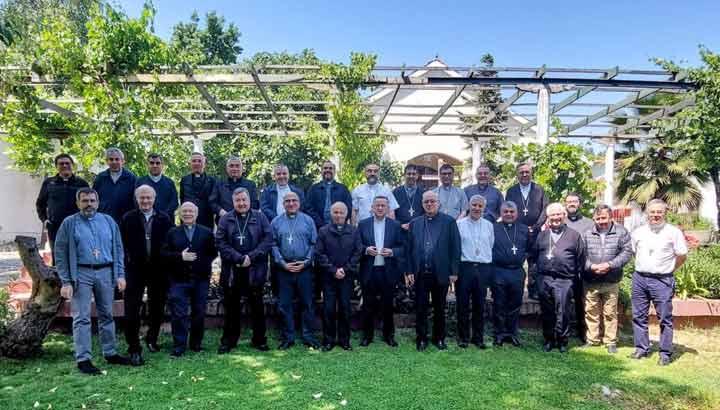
x=568 y=257
x=507 y=235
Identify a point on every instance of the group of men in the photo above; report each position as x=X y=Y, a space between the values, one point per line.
x=475 y=239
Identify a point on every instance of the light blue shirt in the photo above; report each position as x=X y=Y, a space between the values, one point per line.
x=525 y=190
x=295 y=237
x=91 y=234
x=282 y=191
x=477 y=238
x=453 y=201
x=379 y=231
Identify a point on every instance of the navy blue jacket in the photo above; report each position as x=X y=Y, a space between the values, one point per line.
x=268 y=200
x=116 y=198
x=221 y=197
x=166 y=196
x=315 y=200
x=394 y=239
x=402 y=214
x=203 y=243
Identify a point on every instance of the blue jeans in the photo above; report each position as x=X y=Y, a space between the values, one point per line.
x=301 y=282
x=183 y=295
x=98 y=284
x=659 y=291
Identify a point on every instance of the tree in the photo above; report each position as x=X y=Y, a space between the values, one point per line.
x=485 y=102
x=663 y=171
x=697 y=128
x=560 y=168
x=212 y=44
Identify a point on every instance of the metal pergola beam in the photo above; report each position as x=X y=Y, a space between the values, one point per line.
x=213 y=104
x=662 y=112
x=456 y=94
x=387 y=110
x=268 y=101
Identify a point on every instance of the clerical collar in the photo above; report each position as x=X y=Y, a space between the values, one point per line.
x=197 y=174
x=156 y=179
x=242 y=215
x=557 y=230
x=234 y=179
x=282 y=186
x=115 y=174
x=148 y=214
x=329 y=182
x=430 y=217
x=339 y=227
x=291 y=216
x=508 y=224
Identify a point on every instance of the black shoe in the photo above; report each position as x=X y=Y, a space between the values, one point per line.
x=480 y=345
x=365 y=342
x=463 y=345
x=136 y=359
x=547 y=347
x=312 y=344
x=196 y=349
x=152 y=347
x=664 y=361
x=563 y=348
x=263 y=347
x=328 y=347
x=176 y=354
x=440 y=345
x=638 y=355
x=498 y=341
x=286 y=345
x=86 y=367
x=117 y=359
x=612 y=348
x=346 y=346
x=391 y=341
x=421 y=345
x=515 y=341
x=223 y=349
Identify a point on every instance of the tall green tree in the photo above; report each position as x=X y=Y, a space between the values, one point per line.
x=210 y=43
x=697 y=128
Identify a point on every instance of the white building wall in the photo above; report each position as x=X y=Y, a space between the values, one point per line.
x=18 y=192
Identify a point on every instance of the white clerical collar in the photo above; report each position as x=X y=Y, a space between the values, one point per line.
x=148 y=214
x=282 y=187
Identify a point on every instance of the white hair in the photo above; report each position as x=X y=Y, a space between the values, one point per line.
x=145 y=188
x=555 y=206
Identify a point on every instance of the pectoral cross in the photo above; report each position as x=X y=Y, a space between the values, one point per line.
x=411 y=212
x=96 y=253
x=242 y=238
x=525 y=211
x=514 y=249
x=290 y=239
x=549 y=256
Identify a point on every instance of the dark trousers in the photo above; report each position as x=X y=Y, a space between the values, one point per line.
x=555 y=306
x=378 y=296
x=52 y=230
x=659 y=291
x=471 y=288
x=302 y=284
x=188 y=295
x=507 y=294
x=232 y=302
x=157 y=290
x=336 y=309
x=427 y=284
x=579 y=303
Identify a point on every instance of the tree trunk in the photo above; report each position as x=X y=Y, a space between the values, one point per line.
x=25 y=335
x=715 y=175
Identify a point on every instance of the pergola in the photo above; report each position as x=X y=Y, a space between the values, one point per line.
x=585 y=99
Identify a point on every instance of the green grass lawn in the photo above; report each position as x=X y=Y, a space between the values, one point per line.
x=377 y=377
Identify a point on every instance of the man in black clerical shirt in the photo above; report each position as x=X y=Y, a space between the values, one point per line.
x=560 y=256
x=509 y=253
x=433 y=262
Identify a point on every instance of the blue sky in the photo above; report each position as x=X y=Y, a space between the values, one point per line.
x=518 y=33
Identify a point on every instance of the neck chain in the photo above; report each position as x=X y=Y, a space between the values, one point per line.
x=292 y=231
x=410 y=199
x=514 y=248
x=241 y=236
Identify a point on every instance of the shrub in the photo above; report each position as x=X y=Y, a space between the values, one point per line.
x=689 y=221
x=5 y=312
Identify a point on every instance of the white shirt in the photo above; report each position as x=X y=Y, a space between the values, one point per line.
x=656 y=252
x=477 y=239
x=282 y=191
x=363 y=196
x=525 y=190
x=379 y=231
